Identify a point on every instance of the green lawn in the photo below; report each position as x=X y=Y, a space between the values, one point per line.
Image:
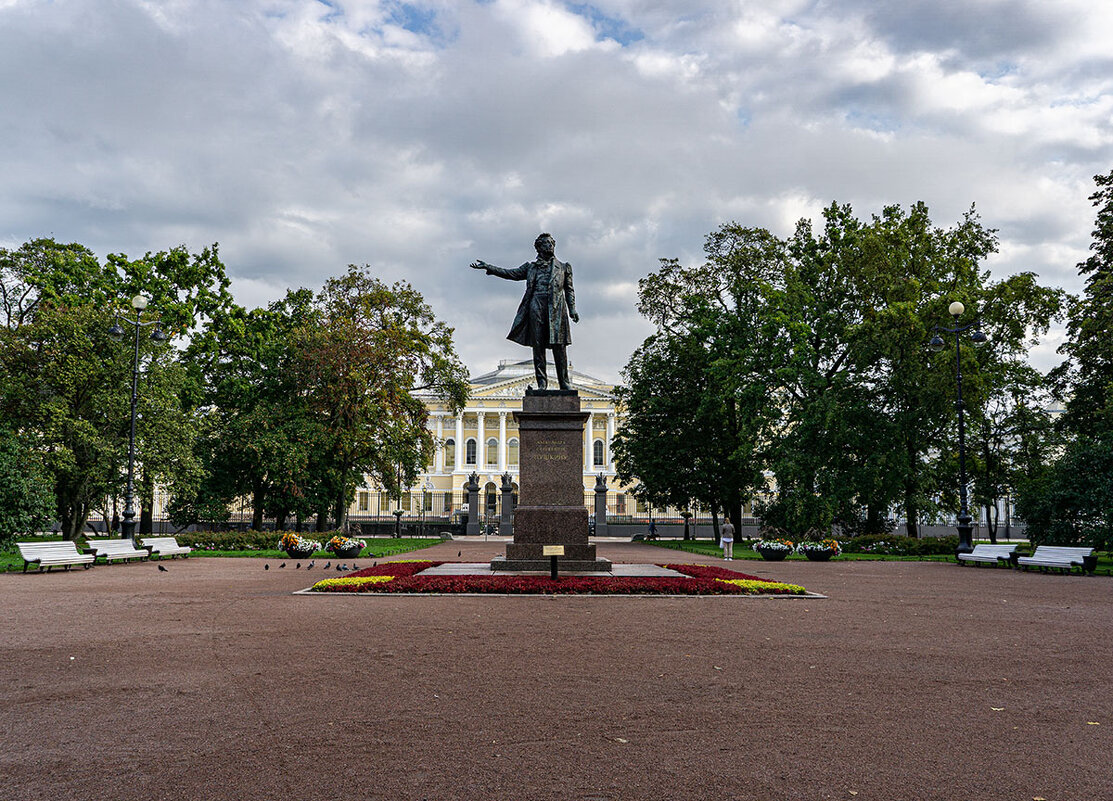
x=376 y=549
x=708 y=548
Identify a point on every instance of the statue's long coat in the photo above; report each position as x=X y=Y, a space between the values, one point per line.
x=529 y=323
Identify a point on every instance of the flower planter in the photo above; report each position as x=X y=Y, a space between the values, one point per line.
x=347 y=553
x=819 y=556
x=295 y=553
x=773 y=554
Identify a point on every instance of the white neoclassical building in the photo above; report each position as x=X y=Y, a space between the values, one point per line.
x=483 y=439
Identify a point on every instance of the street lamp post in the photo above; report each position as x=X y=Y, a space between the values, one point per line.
x=977 y=338
x=117 y=332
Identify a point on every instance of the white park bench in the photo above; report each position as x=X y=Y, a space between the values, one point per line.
x=1060 y=556
x=990 y=554
x=165 y=546
x=49 y=554
x=115 y=549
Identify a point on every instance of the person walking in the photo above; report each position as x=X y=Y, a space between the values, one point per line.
x=726 y=539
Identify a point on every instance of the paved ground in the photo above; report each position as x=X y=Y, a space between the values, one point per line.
x=212 y=681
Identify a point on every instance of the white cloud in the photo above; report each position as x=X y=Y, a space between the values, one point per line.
x=304 y=135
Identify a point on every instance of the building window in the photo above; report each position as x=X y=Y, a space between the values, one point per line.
x=597 y=453
x=492 y=451
x=449 y=453
x=620 y=504
x=469 y=452
x=491 y=491
x=364 y=501
x=512 y=457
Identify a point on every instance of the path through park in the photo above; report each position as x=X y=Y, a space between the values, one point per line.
x=212 y=681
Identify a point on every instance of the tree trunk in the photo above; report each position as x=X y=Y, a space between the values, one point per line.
x=258 y=495
x=991 y=519
x=910 y=516
x=341 y=512
x=280 y=519
x=146 y=505
x=322 y=517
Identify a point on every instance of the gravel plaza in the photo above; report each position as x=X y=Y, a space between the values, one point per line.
x=212 y=680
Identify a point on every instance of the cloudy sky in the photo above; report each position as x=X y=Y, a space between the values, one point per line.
x=305 y=135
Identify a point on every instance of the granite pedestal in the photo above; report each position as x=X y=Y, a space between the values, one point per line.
x=551 y=507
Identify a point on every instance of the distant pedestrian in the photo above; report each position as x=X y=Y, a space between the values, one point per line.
x=652 y=530
x=726 y=539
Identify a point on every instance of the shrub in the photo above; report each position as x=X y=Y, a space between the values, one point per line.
x=232 y=540
x=896 y=545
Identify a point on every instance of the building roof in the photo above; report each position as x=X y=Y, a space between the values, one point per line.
x=510 y=370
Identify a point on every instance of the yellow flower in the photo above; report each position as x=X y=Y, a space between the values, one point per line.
x=756 y=587
x=352 y=581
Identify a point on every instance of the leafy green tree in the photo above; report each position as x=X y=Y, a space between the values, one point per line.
x=64 y=380
x=26 y=505
x=257 y=430
x=695 y=401
x=1086 y=377
x=369 y=349
x=1071 y=502
x=809 y=359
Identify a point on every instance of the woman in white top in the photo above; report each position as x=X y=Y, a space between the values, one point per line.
x=726 y=539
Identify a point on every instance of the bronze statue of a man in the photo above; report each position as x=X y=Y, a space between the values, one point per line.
x=548 y=303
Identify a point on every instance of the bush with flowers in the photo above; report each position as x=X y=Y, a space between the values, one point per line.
x=819 y=546
x=773 y=544
x=344 y=546
x=295 y=544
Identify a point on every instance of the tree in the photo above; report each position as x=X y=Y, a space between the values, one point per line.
x=1071 y=502
x=808 y=359
x=370 y=347
x=1086 y=376
x=258 y=432
x=695 y=402
x=26 y=505
x=64 y=380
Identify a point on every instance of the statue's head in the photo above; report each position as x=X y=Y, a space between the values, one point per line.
x=545 y=244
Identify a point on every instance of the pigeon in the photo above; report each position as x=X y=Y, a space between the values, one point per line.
x=459 y=553
x=297 y=566
x=341 y=567
x=355 y=566
x=282 y=566
x=162 y=569
x=328 y=564
x=310 y=565
x=266 y=567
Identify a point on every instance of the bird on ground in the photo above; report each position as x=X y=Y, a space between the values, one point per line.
x=310 y=565
x=266 y=567
x=282 y=566
x=162 y=569
x=459 y=553
x=341 y=567
x=355 y=566
x=297 y=566
x=328 y=564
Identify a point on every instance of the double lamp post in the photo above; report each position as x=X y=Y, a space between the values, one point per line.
x=118 y=332
x=936 y=344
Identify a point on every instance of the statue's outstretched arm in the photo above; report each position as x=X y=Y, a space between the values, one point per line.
x=511 y=274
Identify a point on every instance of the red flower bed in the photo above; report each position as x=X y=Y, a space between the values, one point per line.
x=697 y=580
x=712 y=572
x=395 y=569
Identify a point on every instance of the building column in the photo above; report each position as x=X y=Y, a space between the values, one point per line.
x=459 y=443
x=480 y=443
x=610 y=437
x=438 y=457
x=589 y=441
x=502 y=442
